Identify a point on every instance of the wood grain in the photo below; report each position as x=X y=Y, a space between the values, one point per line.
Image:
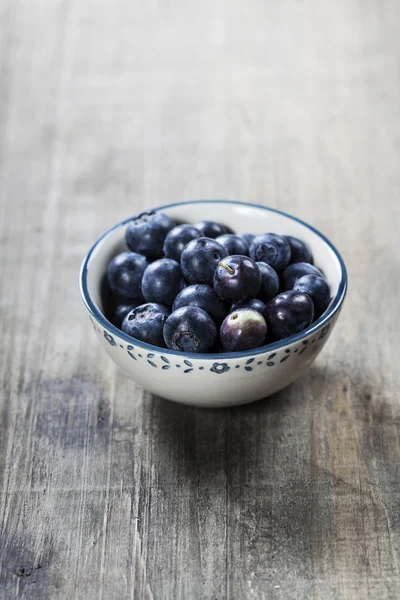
x=109 y=107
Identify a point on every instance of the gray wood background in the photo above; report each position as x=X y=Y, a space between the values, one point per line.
x=107 y=107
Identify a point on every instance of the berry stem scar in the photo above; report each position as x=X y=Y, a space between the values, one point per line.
x=227 y=268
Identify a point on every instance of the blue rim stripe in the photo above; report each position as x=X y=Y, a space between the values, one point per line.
x=319 y=324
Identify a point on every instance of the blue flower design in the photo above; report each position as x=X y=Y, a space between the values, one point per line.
x=248 y=362
x=287 y=354
x=324 y=332
x=167 y=365
x=219 y=368
x=188 y=364
x=131 y=349
x=305 y=346
x=152 y=363
x=109 y=338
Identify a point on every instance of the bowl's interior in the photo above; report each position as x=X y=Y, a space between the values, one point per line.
x=240 y=217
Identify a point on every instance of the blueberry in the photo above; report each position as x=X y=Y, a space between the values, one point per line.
x=248 y=238
x=293 y=272
x=272 y=249
x=299 y=251
x=146 y=323
x=146 y=233
x=205 y=297
x=119 y=312
x=254 y=303
x=289 y=313
x=236 y=279
x=243 y=329
x=210 y=229
x=233 y=244
x=200 y=259
x=162 y=281
x=125 y=273
x=269 y=282
x=177 y=239
x=190 y=329
x=317 y=289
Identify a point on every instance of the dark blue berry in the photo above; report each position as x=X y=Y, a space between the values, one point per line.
x=289 y=313
x=162 y=281
x=248 y=238
x=146 y=233
x=272 y=249
x=210 y=229
x=233 y=244
x=317 y=289
x=254 y=303
x=146 y=323
x=205 y=297
x=200 y=259
x=293 y=272
x=299 y=251
x=236 y=279
x=125 y=273
x=243 y=329
x=190 y=329
x=269 y=282
x=119 y=312
x=177 y=239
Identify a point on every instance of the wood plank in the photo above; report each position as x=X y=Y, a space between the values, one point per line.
x=106 y=108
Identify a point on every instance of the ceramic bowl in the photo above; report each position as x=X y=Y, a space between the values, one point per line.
x=225 y=379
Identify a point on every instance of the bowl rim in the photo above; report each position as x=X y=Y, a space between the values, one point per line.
x=334 y=307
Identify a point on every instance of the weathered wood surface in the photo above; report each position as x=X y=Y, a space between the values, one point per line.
x=109 y=107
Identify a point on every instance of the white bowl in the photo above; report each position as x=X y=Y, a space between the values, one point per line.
x=224 y=379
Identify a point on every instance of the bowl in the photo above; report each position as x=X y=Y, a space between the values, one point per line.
x=223 y=379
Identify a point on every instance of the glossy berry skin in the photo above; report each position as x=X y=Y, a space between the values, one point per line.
x=210 y=229
x=146 y=323
x=205 y=297
x=293 y=272
x=162 y=281
x=289 y=313
x=233 y=244
x=243 y=329
x=236 y=279
x=119 y=312
x=254 y=303
x=299 y=251
x=190 y=329
x=177 y=239
x=248 y=238
x=125 y=273
x=146 y=233
x=317 y=289
x=200 y=259
x=269 y=282
x=272 y=249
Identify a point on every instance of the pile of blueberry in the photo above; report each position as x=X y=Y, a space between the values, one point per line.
x=199 y=288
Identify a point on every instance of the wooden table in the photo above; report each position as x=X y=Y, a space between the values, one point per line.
x=110 y=107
